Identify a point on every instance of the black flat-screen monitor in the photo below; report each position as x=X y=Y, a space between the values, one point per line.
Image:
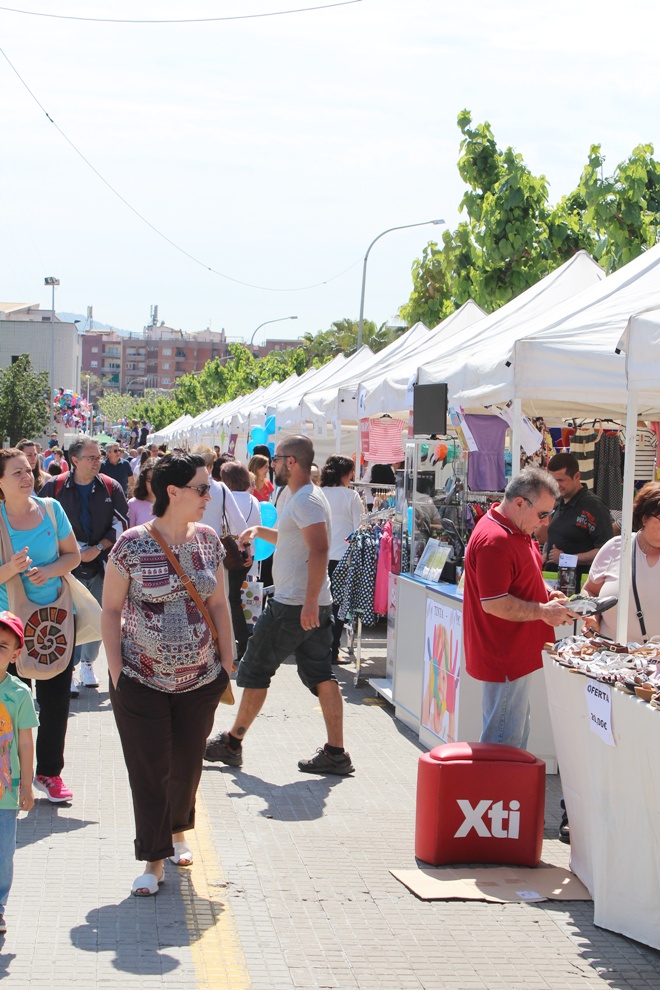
x=430 y=409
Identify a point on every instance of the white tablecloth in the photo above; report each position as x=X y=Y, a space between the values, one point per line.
x=612 y=797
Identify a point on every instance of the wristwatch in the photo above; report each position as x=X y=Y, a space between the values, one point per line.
x=99 y=546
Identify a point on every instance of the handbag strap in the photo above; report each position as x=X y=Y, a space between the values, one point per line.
x=16 y=597
x=186 y=581
x=640 y=614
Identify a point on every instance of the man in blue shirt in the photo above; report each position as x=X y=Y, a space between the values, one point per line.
x=97 y=509
x=117 y=468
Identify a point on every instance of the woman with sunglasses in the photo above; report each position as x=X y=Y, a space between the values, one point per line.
x=165 y=676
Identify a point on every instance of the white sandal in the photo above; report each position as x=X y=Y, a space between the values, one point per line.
x=147 y=885
x=182 y=851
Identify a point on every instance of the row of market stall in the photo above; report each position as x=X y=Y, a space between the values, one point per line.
x=577 y=346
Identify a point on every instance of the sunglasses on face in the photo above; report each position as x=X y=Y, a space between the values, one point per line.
x=202 y=490
x=541 y=515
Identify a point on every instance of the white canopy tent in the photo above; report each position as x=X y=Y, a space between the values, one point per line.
x=494 y=336
x=287 y=409
x=641 y=344
x=169 y=432
x=337 y=400
x=566 y=358
x=389 y=389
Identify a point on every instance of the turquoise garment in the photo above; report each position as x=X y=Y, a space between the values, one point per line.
x=16 y=712
x=42 y=544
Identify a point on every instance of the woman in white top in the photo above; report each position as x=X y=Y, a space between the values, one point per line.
x=237 y=479
x=603 y=580
x=345 y=513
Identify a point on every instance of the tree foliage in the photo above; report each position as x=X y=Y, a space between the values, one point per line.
x=117 y=405
x=512 y=236
x=24 y=400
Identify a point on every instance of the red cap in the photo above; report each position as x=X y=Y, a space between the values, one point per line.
x=14 y=623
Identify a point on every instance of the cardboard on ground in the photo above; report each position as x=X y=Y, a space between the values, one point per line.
x=500 y=884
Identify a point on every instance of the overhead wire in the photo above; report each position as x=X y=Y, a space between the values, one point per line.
x=177 y=247
x=182 y=20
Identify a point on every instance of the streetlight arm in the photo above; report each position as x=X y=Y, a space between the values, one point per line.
x=266 y=322
x=389 y=230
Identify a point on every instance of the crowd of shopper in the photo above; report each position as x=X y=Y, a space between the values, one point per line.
x=149 y=533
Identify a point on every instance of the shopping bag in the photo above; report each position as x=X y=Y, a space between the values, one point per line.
x=252 y=599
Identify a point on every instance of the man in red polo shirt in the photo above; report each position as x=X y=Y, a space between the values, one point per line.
x=506 y=607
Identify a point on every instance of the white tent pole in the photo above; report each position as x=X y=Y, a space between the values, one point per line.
x=515 y=436
x=626 y=518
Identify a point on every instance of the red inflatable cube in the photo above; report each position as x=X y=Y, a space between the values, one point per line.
x=479 y=803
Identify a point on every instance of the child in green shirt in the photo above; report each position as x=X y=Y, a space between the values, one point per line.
x=17 y=719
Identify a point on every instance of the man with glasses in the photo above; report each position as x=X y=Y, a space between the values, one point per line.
x=97 y=509
x=508 y=611
x=114 y=466
x=298 y=619
x=581 y=523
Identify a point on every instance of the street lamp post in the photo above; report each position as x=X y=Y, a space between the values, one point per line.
x=404 y=226
x=278 y=320
x=50 y=280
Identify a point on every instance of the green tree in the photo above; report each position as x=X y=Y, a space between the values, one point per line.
x=24 y=400
x=117 y=405
x=512 y=236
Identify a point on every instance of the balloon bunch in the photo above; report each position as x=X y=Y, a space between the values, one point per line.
x=259 y=435
x=70 y=408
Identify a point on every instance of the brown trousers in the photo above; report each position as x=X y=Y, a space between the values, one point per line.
x=163 y=737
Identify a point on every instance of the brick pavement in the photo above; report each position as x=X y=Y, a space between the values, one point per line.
x=291 y=887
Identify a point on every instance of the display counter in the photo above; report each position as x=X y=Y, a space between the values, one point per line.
x=612 y=795
x=432 y=692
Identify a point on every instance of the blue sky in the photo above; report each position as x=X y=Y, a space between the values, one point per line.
x=274 y=150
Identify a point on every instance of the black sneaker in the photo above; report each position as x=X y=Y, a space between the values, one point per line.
x=3 y=925
x=324 y=762
x=218 y=750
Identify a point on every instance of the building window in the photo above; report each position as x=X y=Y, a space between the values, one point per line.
x=95 y=350
x=167 y=352
x=94 y=364
x=166 y=366
x=166 y=381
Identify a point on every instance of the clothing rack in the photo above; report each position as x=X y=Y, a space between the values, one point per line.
x=354 y=631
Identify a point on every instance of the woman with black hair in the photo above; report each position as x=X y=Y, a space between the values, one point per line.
x=165 y=676
x=345 y=514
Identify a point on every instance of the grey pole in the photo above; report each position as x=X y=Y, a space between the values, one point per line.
x=52 y=281
x=278 y=320
x=404 y=226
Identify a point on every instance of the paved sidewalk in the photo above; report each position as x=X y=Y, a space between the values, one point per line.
x=291 y=888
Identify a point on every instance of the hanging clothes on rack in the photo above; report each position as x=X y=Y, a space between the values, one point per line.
x=383 y=569
x=385 y=446
x=354 y=577
x=486 y=465
x=583 y=446
x=608 y=471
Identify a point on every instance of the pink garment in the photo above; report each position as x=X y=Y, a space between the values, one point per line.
x=383 y=569
x=385 y=446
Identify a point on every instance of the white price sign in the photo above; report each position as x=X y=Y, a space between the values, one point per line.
x=599 y=709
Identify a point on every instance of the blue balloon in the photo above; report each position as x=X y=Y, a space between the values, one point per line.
x=271 y=447
x=250 y=447
x=258 y=434
x=268 y=514
x=269 y=425
x=262 y=549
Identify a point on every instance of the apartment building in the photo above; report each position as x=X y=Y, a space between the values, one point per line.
x=27 y=329
x=155 y=358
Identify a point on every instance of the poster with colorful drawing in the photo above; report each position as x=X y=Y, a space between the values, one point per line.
x=442 y=658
